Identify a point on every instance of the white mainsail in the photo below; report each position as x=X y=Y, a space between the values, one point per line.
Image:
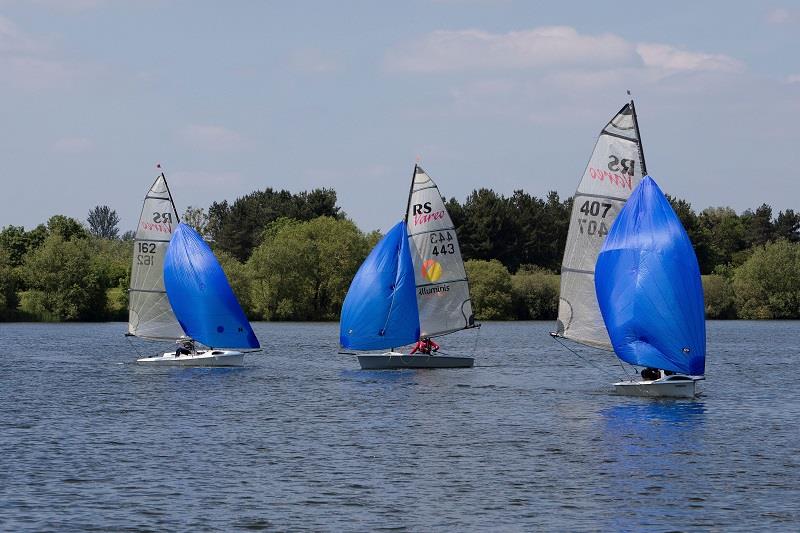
x=150 y=314
x=442 y=288
x=614 y=170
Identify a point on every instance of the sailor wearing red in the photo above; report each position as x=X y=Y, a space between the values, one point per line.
x=424 y=346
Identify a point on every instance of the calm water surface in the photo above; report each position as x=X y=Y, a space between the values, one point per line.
x=300 y=439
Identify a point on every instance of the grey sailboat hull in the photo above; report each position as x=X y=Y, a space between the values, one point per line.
x=398 y=361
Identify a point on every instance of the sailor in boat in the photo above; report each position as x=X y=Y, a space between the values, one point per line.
x=652 y=374
x=425 y=346
x=185 y=347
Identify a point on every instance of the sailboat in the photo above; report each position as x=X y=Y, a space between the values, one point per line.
x=650 y=294
x=178 y=291
x=615 y=170
x=411 y=287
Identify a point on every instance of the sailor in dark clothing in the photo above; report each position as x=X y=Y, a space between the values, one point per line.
x=185 y=347
x=651 y=374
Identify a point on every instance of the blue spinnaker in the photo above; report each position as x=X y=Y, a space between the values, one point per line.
x=648 y=286
x=200 y=296
x=380 y=309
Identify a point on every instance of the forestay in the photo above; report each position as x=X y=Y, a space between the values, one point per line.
x=648 y=286
x=150 y=314
x=380 y=309
x=200 y=295
x=614 y=170
x=441 y=281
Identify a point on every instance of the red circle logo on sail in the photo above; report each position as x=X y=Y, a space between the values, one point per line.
x=431 y=270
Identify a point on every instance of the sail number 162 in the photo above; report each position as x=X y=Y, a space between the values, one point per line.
x=593 y=227
x=145 y=251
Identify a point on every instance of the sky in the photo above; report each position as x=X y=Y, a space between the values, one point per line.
x=231 y=97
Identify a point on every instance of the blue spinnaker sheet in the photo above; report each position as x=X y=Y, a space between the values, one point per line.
x=648 y=286
x=200 y=295
x=380 y=309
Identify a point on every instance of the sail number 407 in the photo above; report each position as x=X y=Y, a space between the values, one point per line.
x=145 y=251
x=593 y=227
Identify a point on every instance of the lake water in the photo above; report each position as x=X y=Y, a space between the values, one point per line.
x=301 y=439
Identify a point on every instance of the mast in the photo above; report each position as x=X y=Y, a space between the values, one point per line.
x=169 y=193
x=410 y=193
x=638 y=138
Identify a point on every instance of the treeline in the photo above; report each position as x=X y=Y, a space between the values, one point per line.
x=292 y=257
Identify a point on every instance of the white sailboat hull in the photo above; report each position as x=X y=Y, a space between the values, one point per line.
x=675 y=386
x=201 y=358
x=399 y=361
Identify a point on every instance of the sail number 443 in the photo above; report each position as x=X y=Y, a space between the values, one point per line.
x=145 y=251
x=441 y=243
x=594 y=210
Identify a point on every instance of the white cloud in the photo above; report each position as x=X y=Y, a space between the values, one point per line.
x=668 y=58
x=27 y=63
x=69 y=5
x=794 y=78
x=14 y=40
x=314 y=61
x=559 y=47
x=36 y=73
x=780 y=15
x=212 y=138
x=446 y=50
x=73 y=145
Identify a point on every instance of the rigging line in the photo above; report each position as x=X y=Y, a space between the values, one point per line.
x=583 y=358
x=133 y=346
x=627 y=375
x=475 y=344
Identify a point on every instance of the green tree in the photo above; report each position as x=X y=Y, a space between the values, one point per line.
x=698 y=233
x=63 y=282
x=758 y=226
x=534 y=293
x=239 y=278
x=237 y=228
x=111 y=264
x=17 y=242
x=787 y=226
x=725 y=236
x=8 y=296
x=197 y=218
x=103 y=222
x=490 y=288
x=302 y=270
x=767 y=285
x=489 y=230
x=66 y=227
x=718 y=297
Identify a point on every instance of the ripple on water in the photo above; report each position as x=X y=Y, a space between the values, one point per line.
x=300 y=439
